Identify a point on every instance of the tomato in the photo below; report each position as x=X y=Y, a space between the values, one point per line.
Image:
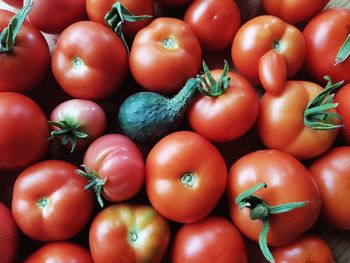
x=286 y=181
x=307 y=248
x=129 y=234
x=256 y=45
x=194 y=180
x=324 y=35
x=60 y=252
x=331 y=173
x=8 y=236
x=296 y=11
x=342 y=97
x=164 y=55
x=174 y=2
x=23 y=131
x=228 y=114
x=49 y=202
x=30 y=48
x=282 y=121
x=97 y=10
x=89 y=61
x=14 y=3
x=55 y=15
x=215 y=23
x=116 y=164
x=213 y=239
x=77 y=122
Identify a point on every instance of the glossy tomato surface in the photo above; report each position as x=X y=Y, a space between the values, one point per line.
x=8 y=236
x=342 y=97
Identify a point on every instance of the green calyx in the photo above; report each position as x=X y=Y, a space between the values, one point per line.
x=68 y=132
x=9 y=34
x=344 y=51
x=316 y=115
x=116 y=18
x=260 y=210
x=214 y=88
x=94 y=182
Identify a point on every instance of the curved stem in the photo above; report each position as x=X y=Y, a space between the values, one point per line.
x=344 y=51
x=9 y=34
x=263 y=241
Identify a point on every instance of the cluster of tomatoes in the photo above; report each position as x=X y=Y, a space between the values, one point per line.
x=261 y=151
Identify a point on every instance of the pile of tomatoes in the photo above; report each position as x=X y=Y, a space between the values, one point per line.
x=261 y=154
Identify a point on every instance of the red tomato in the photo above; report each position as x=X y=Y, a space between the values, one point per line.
x=117 y=163
x=77 y=122
x=331 y=173
x=342 y=97
x=227 y=116
x=213 y=239
x=49 y=202
x=194 y=180
x=281 y=122
x=30 y=48
x=129 y=234
x=164 y=55
x=90 y=61
x=287 y=181
x=23 y=131
x=55 y=15
x=97 y=9
x=259 y=36
x=215 y=23
x=60 y=252
x=14 y=3
x=8 y=236
x=324 y=35
x=307 y=248
x=295 y=11
x=174 y=2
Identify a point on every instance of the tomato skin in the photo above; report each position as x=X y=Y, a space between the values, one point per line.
x=213 y=239
x=258 y=36
x=60 y=252
x=89 y=61
x=331 y=173
x=221 y=20
x=117 y=158
x=281 y=125
x=30 y=49
x=158 y=68
x=129 y=234
x=287 y=181
x=97 y=9
x=295 y=11
x=56 y=15
x=324 y=35
x=227 y=116
x=185 y=155
x=174 y=2
x=23 y=133
x=307 y=248
x=342 y=97
x=14 y=3
x=8 y=236
x=46 y=196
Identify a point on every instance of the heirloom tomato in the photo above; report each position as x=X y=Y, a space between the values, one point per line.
x=129 y=234
x=49 y=201
x=212 y=239
x=331 y=173
x=268 y=50
x=324 y=36
x=57 y=252
x=215 y=23
x=8 y=236
x=185 y=176
x=90 y=61
x=164 y=55
x=342 y=97
x=23 y=131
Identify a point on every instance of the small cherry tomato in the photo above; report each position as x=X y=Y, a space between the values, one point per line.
x=8 y=236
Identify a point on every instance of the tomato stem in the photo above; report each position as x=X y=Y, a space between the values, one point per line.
x=9 y=34
x=316 y=115
x=260 y=210
x=188 y=179
x=214 y=88
x=116 y=18
x=344 y=51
